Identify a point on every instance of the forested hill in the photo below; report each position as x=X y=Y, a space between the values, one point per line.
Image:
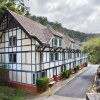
x=57 y=26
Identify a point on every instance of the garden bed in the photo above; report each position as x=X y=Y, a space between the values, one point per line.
x=7 y=93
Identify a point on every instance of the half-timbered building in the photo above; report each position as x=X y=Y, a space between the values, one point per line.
x=31 y=50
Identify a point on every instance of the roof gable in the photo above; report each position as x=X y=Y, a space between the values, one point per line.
x=33 y=28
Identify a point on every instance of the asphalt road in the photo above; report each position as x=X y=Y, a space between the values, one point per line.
x=79 y=86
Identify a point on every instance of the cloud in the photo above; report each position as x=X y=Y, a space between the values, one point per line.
x=81 y=15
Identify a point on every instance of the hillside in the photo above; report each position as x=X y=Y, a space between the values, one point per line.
x=57 y=26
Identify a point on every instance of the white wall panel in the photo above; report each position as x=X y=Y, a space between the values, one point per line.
x=19 y=76
x=23 y=77
x=29 y=81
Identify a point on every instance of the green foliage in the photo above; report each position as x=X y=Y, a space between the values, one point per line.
x=18 y=92
x=10 y=5
x=76 y=68
x=42 y=20
x=66 y=74
x=3 y=70
x=7 y=93
x=85 y=64
x=92 y=47
x=42 y=84
x=1 y=82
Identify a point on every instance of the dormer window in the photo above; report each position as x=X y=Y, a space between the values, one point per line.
x=57 y=41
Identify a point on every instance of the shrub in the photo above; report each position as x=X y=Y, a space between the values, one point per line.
x=7 y=93
x=42 y=84
x=76 y=68
x=85 y=64
x=2 y=82
x=66 y=74
x=18 y=92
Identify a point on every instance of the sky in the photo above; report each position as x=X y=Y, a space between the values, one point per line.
x=80 y=15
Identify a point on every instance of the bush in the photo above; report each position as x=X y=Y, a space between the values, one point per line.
x=66 y=74
x=42 y=84
x=2 y=82
x=7 y=93
x=85 y=64
x=18 y=92
x=76 y=68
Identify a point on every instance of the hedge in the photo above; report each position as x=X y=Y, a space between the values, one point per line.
x=42 y=84
x=66 y=74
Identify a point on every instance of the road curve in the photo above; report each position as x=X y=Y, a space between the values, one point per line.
x=79 y=86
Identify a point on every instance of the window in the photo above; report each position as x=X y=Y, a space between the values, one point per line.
x=12 y=41
x=55 y=42
x=54 y=71
x=63 y=55
x=60 y=42
x=33 y=78
x=62 y=68
x=43 y=74
x=41 y=57
x=56 y=56
x=12 y=58
x=52 y=42
x=51 y=57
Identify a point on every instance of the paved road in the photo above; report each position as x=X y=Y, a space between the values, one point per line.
x=79 y=86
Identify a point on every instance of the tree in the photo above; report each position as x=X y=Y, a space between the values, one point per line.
x=9 y=5
x=92 y=47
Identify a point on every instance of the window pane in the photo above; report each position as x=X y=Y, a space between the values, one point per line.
x=14 y=41
x=33 y=78
x=10 y=41
x=10 y=57
x=56 y=56
x=41 y=57
x=55 y=42
x=51 y=57
x=59 y=42
x=43 y=74
x=14 y=58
